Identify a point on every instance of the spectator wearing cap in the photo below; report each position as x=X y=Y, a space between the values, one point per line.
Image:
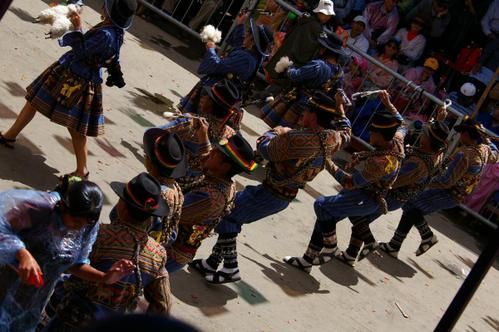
x=165 y=161
x=365 y=183
x=435 y=13
x=423 y=77
x=323 y=74
x=84 y=301
x=355 y=36
x=464 y=99
x=206 y=205
x=301 y=44
x=295 y=158
x=198 y=132
x=382 y=20
x=420 y=164
x=412 y=42
x=240 y=65
x=448 y=189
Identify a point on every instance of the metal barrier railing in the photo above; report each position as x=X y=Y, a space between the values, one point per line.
x=417 y=100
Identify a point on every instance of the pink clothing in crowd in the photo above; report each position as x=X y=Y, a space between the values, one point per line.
x=489 y=183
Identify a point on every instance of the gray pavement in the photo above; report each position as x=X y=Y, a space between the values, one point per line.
x=272 y=296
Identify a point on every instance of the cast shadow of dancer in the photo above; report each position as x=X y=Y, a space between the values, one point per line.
x=195 y=291
x=27 y=165
x=292 y=282
x=394 y=267
x=137 y=152
x=22 y=14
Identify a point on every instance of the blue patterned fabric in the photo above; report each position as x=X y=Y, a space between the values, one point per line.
x=29 y=219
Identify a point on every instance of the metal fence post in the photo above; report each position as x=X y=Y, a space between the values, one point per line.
x=470 y=285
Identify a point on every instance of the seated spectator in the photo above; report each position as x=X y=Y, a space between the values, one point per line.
x=464 y=99
x=489 y=60
x=382 y=20
x=490 y=21
x=355 y=36
x=422 y=76
x=378 y=78
x=490 y=120
x=342 y=8
x=354 y=75
x=412 y=42
x=435 y=13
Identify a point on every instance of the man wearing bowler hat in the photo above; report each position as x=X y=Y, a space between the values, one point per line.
x=197 y=133
x=240 y=65
x=421 y=164
x=165 y=161
x=208 y=202
x=365 y=182
x=447 y=190
x=295 y=157
x=140 y=199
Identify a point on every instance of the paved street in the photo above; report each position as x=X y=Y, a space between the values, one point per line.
x=158 y=70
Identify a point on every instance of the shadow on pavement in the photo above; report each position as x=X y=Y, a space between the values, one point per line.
x=192 y=289
x=27 y=165
x=292 y=282
x=22 y=14
x=394 y=267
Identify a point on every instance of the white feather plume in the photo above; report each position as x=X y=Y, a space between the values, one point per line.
x=283 y=64
x=210 y=33
x=58 y=16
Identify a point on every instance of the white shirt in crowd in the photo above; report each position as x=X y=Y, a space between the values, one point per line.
x=360 y=42
x=414 y=48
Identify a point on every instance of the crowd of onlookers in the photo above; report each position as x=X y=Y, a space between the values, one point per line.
x=449 y=48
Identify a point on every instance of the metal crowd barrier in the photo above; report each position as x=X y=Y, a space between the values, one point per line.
x=419 y=101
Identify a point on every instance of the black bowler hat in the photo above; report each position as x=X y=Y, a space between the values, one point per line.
x=384 y=120
x=262 y=35
x=473 y=127
x=166 y=152
x=322 y=102
x=437 y=130
x=331 y=44
x=143 y=192
x=239 y=151
x=224 y=93
x=121 y=12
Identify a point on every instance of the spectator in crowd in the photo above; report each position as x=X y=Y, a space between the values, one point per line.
x=435 y=13
x=382 y=20
x=342 y=8
x=354 y=74
x=378 y=77
x=490 y=21
x=422 y=76
x=412 y=42
x=355 y=36
x=464 y=25
x=490 y=119
x=464 y=99
x=208 y=8
x=489 y=60
x=405 y=6
x=302 y=43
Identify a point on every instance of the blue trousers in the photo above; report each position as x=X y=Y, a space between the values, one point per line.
x=430 y=201
x=251 y=204
x=329 y=210
x=172 y=265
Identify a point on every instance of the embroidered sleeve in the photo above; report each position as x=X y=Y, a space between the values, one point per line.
x=455 y=171
x=184 y=127
x=158 y=294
